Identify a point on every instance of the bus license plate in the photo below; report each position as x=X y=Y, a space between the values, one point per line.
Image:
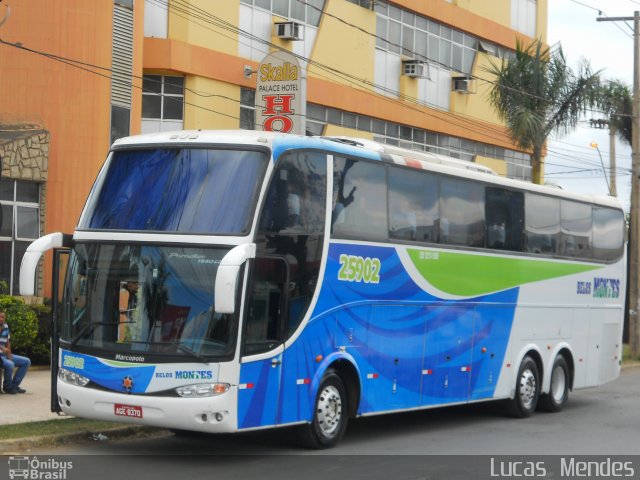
x=128 y=410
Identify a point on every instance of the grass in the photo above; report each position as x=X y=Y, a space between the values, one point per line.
x=626 y=357
x=53 y=427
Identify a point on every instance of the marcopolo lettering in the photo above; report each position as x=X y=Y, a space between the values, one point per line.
x=129 y=358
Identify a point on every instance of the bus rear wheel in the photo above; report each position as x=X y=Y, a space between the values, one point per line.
x=558 y=395
x=330 y=414
x=523 y=404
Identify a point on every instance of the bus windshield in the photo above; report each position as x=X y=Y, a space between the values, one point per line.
x=209 y=191
x=156 y=301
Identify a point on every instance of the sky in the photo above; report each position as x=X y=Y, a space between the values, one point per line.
x=608 y=47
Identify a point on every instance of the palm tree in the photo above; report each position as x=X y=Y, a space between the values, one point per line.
x=536 y=94
x=615 y=101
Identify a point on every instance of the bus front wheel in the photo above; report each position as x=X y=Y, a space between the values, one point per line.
x=523 y=404
x=558 y=394
x=330 y=414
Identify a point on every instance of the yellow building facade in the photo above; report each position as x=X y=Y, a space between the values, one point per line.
x=410 y=73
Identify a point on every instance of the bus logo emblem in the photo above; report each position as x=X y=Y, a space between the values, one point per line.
x=127 y=383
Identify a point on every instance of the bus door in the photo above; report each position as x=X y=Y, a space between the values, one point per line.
x=446 y=370
x=262 y=343
x=60 y=263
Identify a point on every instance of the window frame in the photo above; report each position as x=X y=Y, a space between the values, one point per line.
x=13 y=238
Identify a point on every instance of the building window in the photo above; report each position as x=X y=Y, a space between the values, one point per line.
x=19 y=226
x=389 y=133
x=308 y=12
x=368 y=4
x=523 y=16
x=247 y=109
x=162 y=103
x=122 y=65
x=405 y=33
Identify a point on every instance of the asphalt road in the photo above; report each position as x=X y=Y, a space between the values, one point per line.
x=604 y=421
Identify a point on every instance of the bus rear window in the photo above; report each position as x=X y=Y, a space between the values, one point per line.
x=178 y=190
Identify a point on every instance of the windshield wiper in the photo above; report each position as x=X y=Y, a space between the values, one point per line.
x=190 y=352
x=179 y=346
x=90 y=327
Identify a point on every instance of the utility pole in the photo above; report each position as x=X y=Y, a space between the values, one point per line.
x=612 y=160
x=634 y=221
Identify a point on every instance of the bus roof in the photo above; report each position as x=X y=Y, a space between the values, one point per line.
x=366 y=148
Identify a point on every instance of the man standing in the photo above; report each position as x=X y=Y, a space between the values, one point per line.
x=10 y=362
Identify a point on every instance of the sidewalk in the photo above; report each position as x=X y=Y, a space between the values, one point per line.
x=32 y=406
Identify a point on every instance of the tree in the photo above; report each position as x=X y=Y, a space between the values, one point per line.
x=614 y=99
x=536 y=94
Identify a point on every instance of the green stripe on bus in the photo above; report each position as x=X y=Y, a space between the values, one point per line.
x=472 y=275
x=116 y=363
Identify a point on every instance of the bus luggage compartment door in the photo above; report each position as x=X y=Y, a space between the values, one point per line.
x=394 y=359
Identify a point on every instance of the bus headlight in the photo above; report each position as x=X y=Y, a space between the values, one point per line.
x=202 y=389
x=72 y=378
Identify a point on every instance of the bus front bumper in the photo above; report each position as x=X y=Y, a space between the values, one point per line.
x=216 y=414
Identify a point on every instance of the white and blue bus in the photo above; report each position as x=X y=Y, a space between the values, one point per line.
x=229 y=281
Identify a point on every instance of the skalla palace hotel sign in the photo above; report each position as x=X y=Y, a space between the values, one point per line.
x=280 y=94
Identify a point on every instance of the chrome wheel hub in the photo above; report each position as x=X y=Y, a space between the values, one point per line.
x=329 y=410
x=528 y=389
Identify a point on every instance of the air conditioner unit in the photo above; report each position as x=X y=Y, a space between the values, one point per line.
x=414 y=68
x=462 y=85
x=290 y=30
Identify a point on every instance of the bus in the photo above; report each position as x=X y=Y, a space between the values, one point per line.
x=224 y=281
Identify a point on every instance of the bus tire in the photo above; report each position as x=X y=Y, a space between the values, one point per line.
x=523 y=404
x=330 y=414
x=558 y=395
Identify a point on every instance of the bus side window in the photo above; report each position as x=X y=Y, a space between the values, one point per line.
x=413 y=205
x=461 y=212
x=264 y=325
x=505 y=219
x=359 y=199
x=292 y=227
x=608 y=233
x=575 y=227
x=542 y=223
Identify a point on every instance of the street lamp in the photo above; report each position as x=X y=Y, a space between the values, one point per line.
x=595 y=145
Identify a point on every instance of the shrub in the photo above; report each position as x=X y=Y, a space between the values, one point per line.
x=40 y=349
x=22 y=320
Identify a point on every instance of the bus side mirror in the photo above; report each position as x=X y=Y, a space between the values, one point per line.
x=227 y=276
x=32 y=257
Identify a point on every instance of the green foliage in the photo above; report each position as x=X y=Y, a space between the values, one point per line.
x=537 y=94
x=615 y=99
x=4 y=288
x=22 y=320
x=39 y=351
x=30 y=327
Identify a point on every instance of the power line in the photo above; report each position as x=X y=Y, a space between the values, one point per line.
x=601 y=12
x=204 y=94
x=331 y=70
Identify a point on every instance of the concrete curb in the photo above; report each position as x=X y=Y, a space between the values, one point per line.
x=16 y=445
x=630 y=365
